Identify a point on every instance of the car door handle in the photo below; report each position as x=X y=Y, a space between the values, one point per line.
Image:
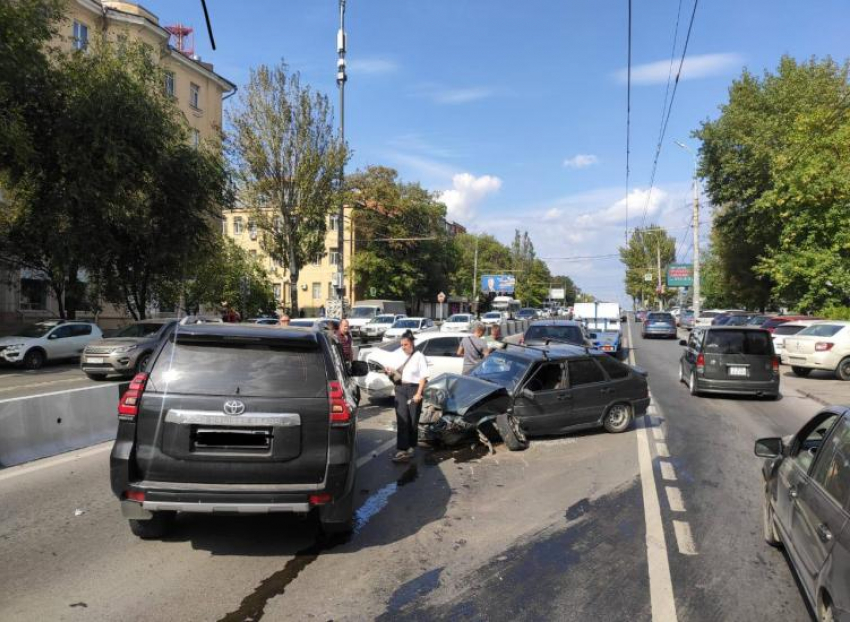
x=824 y=533
x=792 y=492
x=561 y=398
x=605 y=391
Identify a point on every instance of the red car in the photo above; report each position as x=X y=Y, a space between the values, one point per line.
x=773 y=322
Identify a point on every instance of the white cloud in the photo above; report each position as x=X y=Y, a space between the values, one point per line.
x=372 y=66
x=581 y=160
x=552 y=214
x=466 y=192
x=700 y=66
x=441 y=94
x=640 y=202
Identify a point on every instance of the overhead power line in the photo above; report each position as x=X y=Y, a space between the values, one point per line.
x=667 y=116
x=628 y=118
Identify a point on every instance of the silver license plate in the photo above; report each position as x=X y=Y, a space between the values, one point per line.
x=94 y=360
x=737 y=370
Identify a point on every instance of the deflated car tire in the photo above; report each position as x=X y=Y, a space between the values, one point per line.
x=511 y=433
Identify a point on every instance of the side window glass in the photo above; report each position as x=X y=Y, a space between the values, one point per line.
x=584 y=371
x=548 y=377
x=442 y=346
x=614 y=369
x=832 y=470
x=62 y=332
x=81 y=330
x=422 y=347
x=811 y=440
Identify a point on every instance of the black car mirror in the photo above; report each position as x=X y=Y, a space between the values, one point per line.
x=682 y=342
x=359 y=368
x=528 y=394
x=769 y=447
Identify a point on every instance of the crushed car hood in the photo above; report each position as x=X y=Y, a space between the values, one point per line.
x=453 y=393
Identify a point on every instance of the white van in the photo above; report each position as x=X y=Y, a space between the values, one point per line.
x=363 y=311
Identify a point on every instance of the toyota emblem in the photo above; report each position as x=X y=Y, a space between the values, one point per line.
x=234 y=407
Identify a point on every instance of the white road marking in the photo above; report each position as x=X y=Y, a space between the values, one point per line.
x=376 y=452
x=660 y=584
x=46 y=463
x=661 y=450
x=29 y=397
x=658 y=433
x=667 y=471
x=684 y=538
x=38 y=384
x=674 y=499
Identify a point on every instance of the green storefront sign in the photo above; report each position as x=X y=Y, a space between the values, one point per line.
x=680 y=275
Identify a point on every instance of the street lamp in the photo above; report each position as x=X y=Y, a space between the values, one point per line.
x=696 y=230
x=341 y=79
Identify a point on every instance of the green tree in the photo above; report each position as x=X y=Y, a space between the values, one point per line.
x=570 y=289
x=777 y=163
x=493 y=258
x=403 y=250
x=640 y=257
x=532 y=274
x=288 y=165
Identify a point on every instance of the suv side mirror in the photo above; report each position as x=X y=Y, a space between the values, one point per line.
x=359 y=368
x=769 y=447
x=682 y=342
x=528 y=394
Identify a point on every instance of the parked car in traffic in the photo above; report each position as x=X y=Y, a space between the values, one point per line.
x=658 y=324
x=458 y=322
x=264 y=321
x=777 y=320
x=440 y=350
x=48 y=341
x=379 y=325
x=493 y=317
x=706 y=317
x=544 y=332
x=126 y=352
x=686 y=319
x=787 y=329
x=238 y=419
x=640 y=315
x=823 y=345
x=415 y=325
x=528 y=314
x=731 y=360
x=318 y=323
x=524 y=392
x=807 y=507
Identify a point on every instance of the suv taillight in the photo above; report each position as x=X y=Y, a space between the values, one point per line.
x=128 y=406
x=701 y=363
x=340 y=414
x=823 y=346
x=775 y=365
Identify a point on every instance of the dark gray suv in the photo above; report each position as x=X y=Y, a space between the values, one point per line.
x=238 y=419
x=807 y=507
x=731 y=360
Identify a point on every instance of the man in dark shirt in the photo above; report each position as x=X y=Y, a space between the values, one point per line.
x=345 y=340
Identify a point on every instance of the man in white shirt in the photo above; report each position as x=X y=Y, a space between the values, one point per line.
x=408 y=395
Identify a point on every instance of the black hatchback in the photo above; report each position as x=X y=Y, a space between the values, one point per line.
x=238 y=419
x=733 y=360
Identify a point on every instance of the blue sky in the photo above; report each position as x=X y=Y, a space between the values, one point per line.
x=516 y=111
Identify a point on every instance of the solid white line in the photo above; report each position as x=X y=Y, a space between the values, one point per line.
x=29 y=397
x=661 y=450
x=46 y=463
x=658 y=433
x=660 y=584
x=674 y=499
x=684 y=538
x=667 y=471
x=376 y=452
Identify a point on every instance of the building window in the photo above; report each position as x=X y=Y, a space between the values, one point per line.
x=318 y=261
x=252 y=228
x=333 y=257
x=169 y=83
x=237 y=225
x=194 y=95
x=224 y=226
x=196 y=138
x=277 y=290
x=81 y=36
x=333 y=222
x=33 y=295
x=317 y=291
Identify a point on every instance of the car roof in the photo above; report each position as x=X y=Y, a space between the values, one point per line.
x=247 y=331
x=716 y=329
x=552 y=352
x=555 y=323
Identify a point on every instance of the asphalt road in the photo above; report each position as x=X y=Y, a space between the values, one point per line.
x=585 y=527
x=17 y=382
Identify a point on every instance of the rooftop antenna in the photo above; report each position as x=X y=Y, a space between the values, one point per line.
x=183 y=37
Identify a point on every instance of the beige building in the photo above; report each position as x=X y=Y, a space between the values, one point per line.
x=316 y=279
x=197 y=89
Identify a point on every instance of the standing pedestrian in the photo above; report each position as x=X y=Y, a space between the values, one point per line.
x=322 y=311
x=473 y=348
x=410 y=374
x=284 y=320
x=345 y=341
x=494 y=339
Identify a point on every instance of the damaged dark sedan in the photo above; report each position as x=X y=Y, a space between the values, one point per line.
x=521 y=392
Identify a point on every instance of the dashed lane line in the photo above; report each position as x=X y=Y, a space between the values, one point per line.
x=661 y=450
x=684 y=538
x=668 y=473
x=674 y=499
x=661 y=596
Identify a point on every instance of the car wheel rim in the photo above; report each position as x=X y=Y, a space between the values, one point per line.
x=845 y=368
x=617 y=416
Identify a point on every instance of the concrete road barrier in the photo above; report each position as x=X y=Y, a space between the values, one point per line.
x=38 y=426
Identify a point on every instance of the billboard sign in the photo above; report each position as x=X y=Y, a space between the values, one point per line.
x=680 y=275
x=556 y=294
x=498 y=283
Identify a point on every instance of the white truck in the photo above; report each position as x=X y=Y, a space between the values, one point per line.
x=364 y=311
x=602 y=320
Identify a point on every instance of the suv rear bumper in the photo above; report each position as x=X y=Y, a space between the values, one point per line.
x=738 y=387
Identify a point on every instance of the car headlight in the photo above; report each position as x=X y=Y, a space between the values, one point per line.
x=124 y=349
x=14 y=347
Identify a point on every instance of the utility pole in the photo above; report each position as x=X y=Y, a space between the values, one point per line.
x=697 y=301
x=474 y=301
x=341 y=78
x=658 y=289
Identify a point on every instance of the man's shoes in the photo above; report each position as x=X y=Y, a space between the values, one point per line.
x=402 y=456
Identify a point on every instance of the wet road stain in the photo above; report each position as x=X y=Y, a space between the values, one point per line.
x=253 y=606
x=578 y=509
x=412 y=590
x=83 y=605
x=460 y=455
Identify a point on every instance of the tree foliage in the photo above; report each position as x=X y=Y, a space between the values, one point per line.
x=777 y=165
x=288 y=165
x=640 y=257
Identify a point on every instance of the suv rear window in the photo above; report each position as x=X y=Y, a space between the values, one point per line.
x=754 y=342
x=572 y=334
x=821 y=330
x=250 y=370
x=784 y=329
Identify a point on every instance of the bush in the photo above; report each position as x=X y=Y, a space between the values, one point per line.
x=836 y=312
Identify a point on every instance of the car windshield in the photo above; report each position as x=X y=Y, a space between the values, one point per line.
x=458 y=318
x=788 y=329
x=709 y=314
x=363 y=312
x=748 y=341
x=406 y=324
x=660 y=317
x=139 y=330
x=502 y=368
x=35 y=331
x=572 y=334
x=821 y=330
x=383 y=319
x=491 y=315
